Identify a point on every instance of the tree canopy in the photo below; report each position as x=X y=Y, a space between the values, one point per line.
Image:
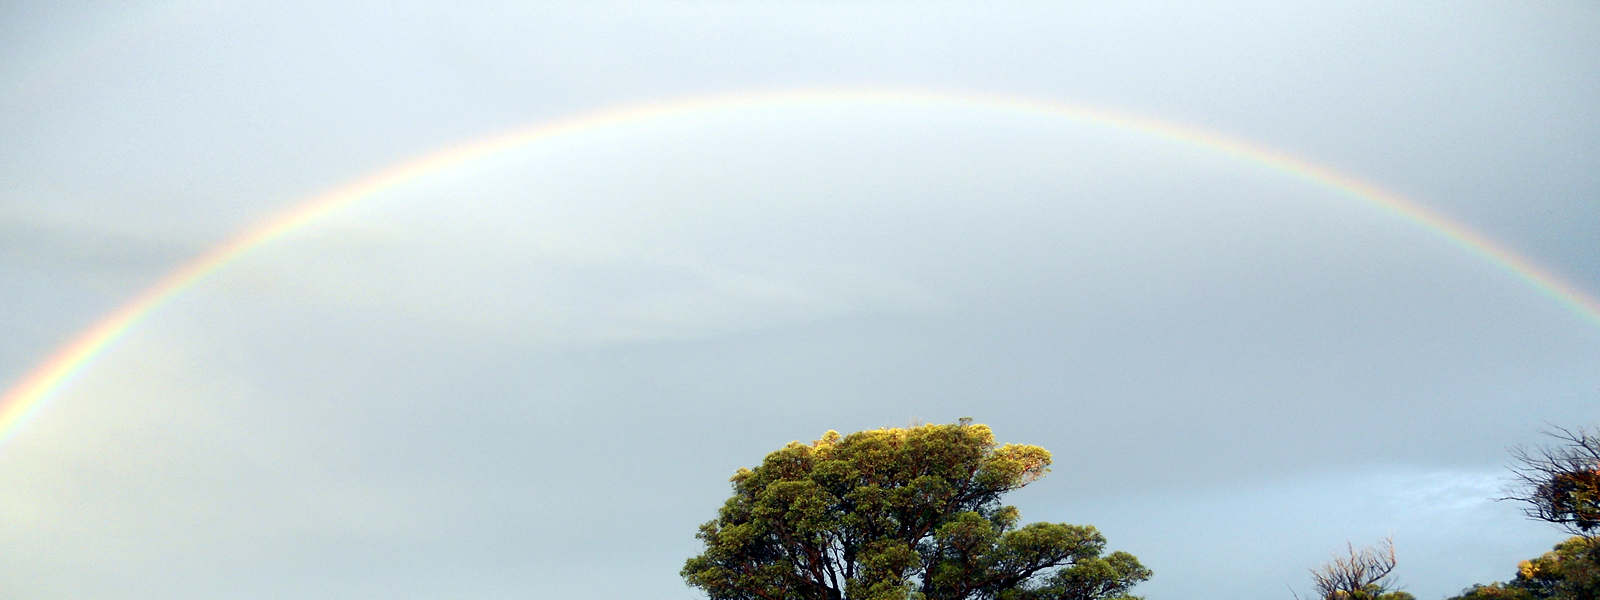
x=1560 y=484
x=1571 y=571
x=896 y=514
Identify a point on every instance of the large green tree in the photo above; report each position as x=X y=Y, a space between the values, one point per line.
x=900 y=514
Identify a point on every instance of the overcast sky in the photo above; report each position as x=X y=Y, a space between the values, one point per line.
x=531 y=375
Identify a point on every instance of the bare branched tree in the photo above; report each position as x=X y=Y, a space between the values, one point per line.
x=1560 y=484
x=1361 y=575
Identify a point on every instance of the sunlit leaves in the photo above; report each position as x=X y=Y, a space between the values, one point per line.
x=1569 y=572
x=899 y=514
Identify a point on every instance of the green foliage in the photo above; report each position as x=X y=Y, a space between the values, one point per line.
x=1373 y=592
x=1560 y=484
x=1569 y=572
x=1494 y=591
x=897 y=514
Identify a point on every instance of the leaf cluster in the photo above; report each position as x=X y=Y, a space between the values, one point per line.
x=1560 y=484
x=1571 y=571
x=896 y=514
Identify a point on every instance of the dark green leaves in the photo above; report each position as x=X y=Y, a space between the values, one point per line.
x=897 y=514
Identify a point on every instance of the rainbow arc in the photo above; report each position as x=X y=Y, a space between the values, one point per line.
x=25 y=398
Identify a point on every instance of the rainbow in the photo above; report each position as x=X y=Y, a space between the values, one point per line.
x=24 y=399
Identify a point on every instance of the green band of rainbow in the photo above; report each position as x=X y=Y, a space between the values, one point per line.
x=25 y=398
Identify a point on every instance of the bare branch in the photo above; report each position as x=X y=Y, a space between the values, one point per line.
x=1560 y=484
x=1358 y=575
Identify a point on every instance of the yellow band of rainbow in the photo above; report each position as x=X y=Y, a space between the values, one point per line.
x=25 y=397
